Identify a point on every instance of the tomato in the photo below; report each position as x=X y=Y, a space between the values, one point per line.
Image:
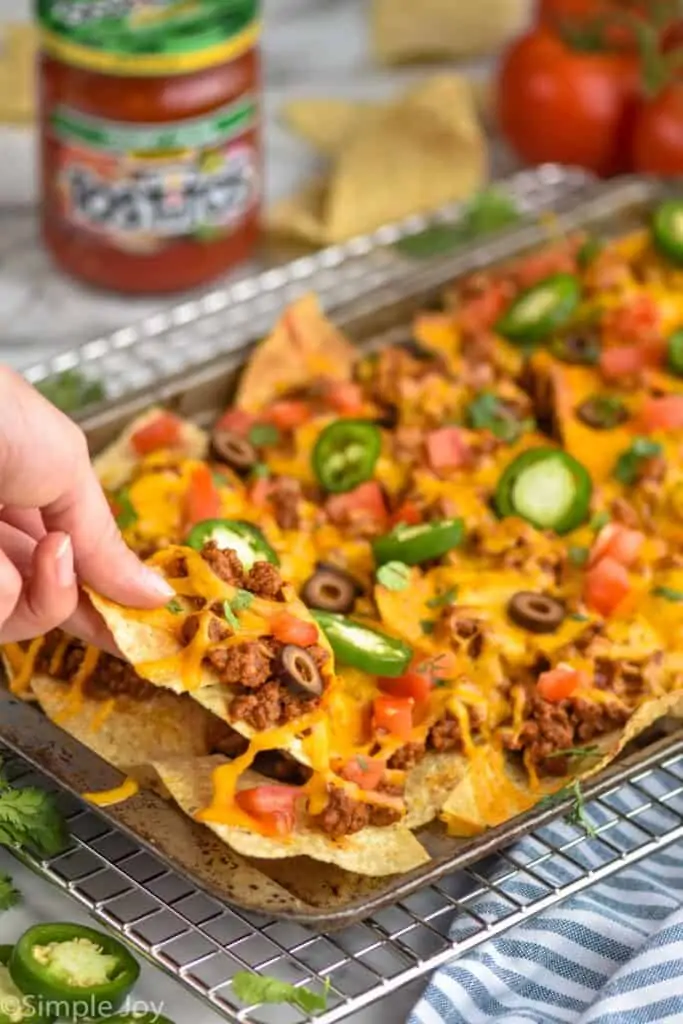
x=673 y=37
x=621 y=361
x=606 y=586
x=164 y=431
x=480 y=312
x=259 y=492
x=665 y=413
x=289 y=629
x=407 y=513
x=658 y=133
x=421 y=678
x=236 y=420
x=558 y=683
x=618 y=542
x=447 y=449
x=555 y=259
x=345 y=397
x=367 y=499
x=562 y=105
x=366 y=772
x=393 y=715
x=636 y=322
x=202 y=500
x=288 y=414
x=273 y=806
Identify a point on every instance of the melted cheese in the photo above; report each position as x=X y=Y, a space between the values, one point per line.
x=109 y=797
x=20 y=684
x=74 y=703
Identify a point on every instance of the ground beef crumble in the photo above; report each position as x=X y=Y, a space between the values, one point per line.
x=263 y=579
x=343 y=816
x=111 y=677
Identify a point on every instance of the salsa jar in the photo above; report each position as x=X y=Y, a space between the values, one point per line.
x=151 y=156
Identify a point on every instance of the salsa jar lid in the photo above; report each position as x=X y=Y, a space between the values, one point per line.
x=148 y=37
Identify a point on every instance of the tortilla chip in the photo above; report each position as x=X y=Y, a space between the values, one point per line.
x=116 y=463
x=373 y=851
x=304 y=345
x=429 y=785
x=404 y=30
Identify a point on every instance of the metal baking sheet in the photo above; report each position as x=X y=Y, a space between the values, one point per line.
x=318 y=895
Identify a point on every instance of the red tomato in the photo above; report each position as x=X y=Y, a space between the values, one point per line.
x=287 y=414
x=621 y=361
x=164 y=431
x=606 y=585
x=421 y=678
x=618 y=542
x=636 y=321
x=236 y=420
x=665 y=413
x=259 y=492
x=288 y=629
x=559 y=683
x=556 y=259
x=345 y=397
x=367 y=499
x=673 y=37
x=482 y=311
x=447 y=449
x=366 y=772
x=393 y=715
x=658 y=133
x=202 y=500
x=273 y=806
x=558 y=104
x=407 y=513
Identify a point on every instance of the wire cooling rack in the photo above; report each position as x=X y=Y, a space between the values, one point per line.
x=204 y=943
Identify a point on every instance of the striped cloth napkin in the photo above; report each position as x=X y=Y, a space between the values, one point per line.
x=612 y=954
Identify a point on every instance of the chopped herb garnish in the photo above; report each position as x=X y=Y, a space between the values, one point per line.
x=264 y=434
x=124 y=510
x=260 y=471
x=230 y=616
x=71 y=390
x=175 y=606
x=578 y=555
x=589 y=251
x=489 y=211
x=577 y=813
x=253 y=989
x=578 y=617
x=599 y=520
x=242 y=600
x=668 y=593
x=591 y=751
x=9 y=894
x=629 y=464
x=394 y=576
x=488 y=412
x=219 y=479
x=443 y=599
x=362 y=763
x=427 y=626
x=29 y=819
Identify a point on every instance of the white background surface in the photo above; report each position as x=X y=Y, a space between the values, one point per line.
x=312 y=47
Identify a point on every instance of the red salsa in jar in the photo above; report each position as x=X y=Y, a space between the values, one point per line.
x=150 y=140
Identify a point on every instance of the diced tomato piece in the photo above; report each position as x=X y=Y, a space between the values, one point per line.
x=345 y=397
x=481 y=312
x=618 y=542
x=636 y=321
x=606 y=586
x=421 y=678
x=366 y=772
x=366 y=499
x=447 y=449
x=560 y=259
x=393 y=715
x=287 y=414
x=559 y=683
x=202 y=500
x=665 y=413
x=289 y=629
x=237 y=420
x=164 y=431
x=273 y=806
x=621 y=361
x=259 y=492
x=407 y=513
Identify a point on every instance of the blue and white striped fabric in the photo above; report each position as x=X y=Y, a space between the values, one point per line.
x=610 y=955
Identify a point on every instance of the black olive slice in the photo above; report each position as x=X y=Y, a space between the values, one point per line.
x=276 y=764
x=298 y=670
x=235 y=451
x=330 y=590
x=539 y=613
x=602 y=412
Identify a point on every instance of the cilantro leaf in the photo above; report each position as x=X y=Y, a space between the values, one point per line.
x=427 y=626
x=9 y=895
x=443 y=599
x=242 y=600
x=394 y=576
x=253 y=988
x=668 y=593
x=577 y=554
x=71 y=390
x=230 y=616
x=576 y=815
x=589 y=251
x=488 y=412
x=259 y=471
x=590 y=751
x=263 y=434
x=491 y=210
x=629 y=464
x=124 y=509
x=599 y=520
x=578 y=617
x=175 y=606
x=29 y=818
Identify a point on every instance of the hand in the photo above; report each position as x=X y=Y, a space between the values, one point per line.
x=56 y=528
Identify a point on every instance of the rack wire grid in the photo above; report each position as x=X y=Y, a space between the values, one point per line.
x=204 y=943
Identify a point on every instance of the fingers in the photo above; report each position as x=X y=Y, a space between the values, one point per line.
x=88 y=625
x=46 y=596
x=28 y=520
x=44 y=463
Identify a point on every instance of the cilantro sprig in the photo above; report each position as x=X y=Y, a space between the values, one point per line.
x=630 y=463
x=241 y=601
x=252 y=989
x=491 y=210
x=577 y=814
x=29 y=819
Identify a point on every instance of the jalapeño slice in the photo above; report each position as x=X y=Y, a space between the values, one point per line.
x=674 y=353
x=14 y=1008
x=70 y=964
x=541 y=310
x=667 y=229
x=245 y=539
x=345 y=454
x=363 y=647
x=546 y=487
x=413 y=545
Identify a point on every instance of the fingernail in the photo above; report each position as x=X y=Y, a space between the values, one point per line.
x=65 y=563
x=155 y=584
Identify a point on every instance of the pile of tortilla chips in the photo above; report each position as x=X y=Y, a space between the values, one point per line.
x=429 y=143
